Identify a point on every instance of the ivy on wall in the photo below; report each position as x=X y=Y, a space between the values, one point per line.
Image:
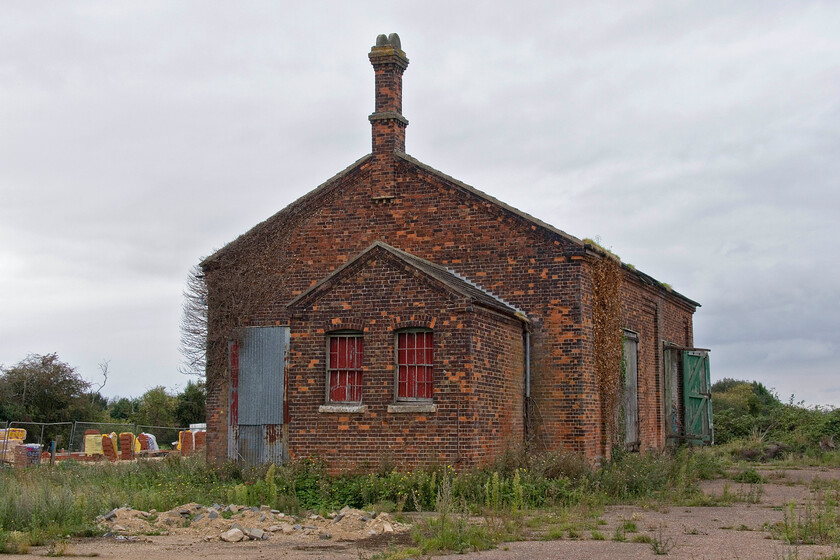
x=608 y=346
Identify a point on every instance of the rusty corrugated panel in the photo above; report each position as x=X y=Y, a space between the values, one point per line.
x=233 y=398
x=261 y=444
x=261 y=361
x=257 y=395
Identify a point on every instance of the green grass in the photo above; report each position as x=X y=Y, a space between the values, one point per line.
x=749 y=476
x=645 y=539
x=817 y=522
x=629 y=526
x=41 y=504
x=454 y=534
x=554 y=534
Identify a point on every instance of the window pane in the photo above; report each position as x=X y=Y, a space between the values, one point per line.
x=355 y=386
x=415 y=357
x=357 y=358
x=336 y=391
x=345 y=368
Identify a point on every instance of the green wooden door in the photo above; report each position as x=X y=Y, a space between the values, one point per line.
x=697 y=397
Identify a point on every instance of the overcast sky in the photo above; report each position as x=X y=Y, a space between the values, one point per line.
x=698 y=140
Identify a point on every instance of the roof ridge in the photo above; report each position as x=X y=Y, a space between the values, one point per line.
x=459 y=276
x=486 y=291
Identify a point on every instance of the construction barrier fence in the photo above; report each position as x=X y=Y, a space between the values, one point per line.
x=25 y=443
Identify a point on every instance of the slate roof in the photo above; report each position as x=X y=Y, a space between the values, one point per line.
x=450 y=279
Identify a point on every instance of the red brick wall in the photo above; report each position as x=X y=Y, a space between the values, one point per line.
x=658 y=318
x=478 y=395
x=533 y=268
x=498 y=388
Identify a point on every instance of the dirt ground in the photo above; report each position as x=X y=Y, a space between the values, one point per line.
x=739 y=531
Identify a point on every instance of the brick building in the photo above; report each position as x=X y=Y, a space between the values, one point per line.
x=395 y=313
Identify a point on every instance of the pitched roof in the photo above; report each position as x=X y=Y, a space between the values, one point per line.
x=450 y=279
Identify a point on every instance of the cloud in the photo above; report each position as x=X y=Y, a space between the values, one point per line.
x=698 y=140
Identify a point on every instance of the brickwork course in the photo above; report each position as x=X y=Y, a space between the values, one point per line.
x=391 y=243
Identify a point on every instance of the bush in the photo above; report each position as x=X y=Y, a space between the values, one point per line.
x=751 y=415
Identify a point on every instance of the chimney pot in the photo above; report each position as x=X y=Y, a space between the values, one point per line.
x=387 y=122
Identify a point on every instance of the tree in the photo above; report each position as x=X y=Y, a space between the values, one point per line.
x=193 y=345
x=123 y=408
x=45 y=389
x=156 y=408
x=190 y=408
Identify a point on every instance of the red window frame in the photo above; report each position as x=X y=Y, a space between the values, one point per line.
x=345 y=355
x=415 y=365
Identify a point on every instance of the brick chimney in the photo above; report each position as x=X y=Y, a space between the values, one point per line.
x=387 y=122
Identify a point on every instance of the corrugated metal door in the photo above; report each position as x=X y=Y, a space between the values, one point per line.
x=697 y=397
x=630 y=400
x=257 y=395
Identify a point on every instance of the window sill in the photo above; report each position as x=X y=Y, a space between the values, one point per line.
x=412 y=407
x=343 y=408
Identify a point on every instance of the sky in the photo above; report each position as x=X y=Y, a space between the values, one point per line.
x=700 y=141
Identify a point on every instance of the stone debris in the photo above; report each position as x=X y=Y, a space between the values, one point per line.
x=236 y=523
x=232 y=535
x=257 y=534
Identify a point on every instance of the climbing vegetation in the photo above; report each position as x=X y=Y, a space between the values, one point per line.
x=606 y=325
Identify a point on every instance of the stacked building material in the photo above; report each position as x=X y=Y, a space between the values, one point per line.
x=27 y=455
x=10 y=440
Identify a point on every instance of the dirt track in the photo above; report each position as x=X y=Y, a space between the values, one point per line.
x=738 y=531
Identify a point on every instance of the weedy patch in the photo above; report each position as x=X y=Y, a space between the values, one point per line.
x=817 y=522
x=749 y=476
x=661 y=544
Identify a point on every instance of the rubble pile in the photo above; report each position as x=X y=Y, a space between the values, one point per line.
x=233 y=523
